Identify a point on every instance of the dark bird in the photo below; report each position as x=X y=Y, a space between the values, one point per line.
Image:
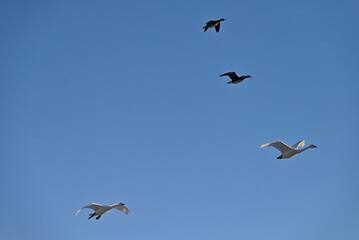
x=214 y=23
x=234 y=77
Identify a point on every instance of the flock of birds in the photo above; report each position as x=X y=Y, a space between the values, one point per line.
x=287 y=151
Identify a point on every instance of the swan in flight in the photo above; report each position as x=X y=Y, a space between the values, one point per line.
x=234 y=77
x=214 y=23
x=103 y=209
x=288 y=152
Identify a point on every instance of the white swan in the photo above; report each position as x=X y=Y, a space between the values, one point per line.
x=288 y=152
x=103 y=209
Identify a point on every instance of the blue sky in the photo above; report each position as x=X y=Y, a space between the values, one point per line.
x=121 y=101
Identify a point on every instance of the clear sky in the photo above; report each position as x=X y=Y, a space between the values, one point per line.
x=121 y=101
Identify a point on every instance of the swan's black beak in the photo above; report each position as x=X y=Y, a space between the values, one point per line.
x=314 y=146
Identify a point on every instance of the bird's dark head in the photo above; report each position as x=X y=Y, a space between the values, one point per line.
x=222 y=19
x=313 y=146
x=122 y=204
x=248 y=76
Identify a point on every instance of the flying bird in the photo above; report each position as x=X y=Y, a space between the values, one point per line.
x=103 y=209
x=234 y=77
x=288 y=152
x=214 y=23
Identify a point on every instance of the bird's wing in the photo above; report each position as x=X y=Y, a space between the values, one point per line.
x=232 y=75
x=122 y=208
x=299 y=144
x=217 y=27
x=209 y=22
x=278 y=145
x=93 y=206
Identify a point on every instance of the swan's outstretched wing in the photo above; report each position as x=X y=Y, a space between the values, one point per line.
x=122 y=207
x=299 y=144
x=93 y=206
x=278 y=145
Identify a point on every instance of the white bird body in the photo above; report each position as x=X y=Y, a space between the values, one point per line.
x=288 y=152
x=103 y=209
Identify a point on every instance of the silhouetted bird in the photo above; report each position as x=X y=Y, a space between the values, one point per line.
x=234 y=77
x=214 y=23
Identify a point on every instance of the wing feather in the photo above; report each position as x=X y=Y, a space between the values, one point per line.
x=122 y=207
x=93 y=206
x=231 y=75
x=299 y=144
x=217 y=27
x=282 y=147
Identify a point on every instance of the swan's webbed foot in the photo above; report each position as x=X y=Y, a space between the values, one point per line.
x=91 y=215
x=98 y=217
x=280 y=157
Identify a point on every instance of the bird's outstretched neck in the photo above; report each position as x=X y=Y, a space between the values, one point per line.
x=311 y=146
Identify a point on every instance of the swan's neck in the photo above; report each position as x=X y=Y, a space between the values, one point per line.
x=302 y=150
